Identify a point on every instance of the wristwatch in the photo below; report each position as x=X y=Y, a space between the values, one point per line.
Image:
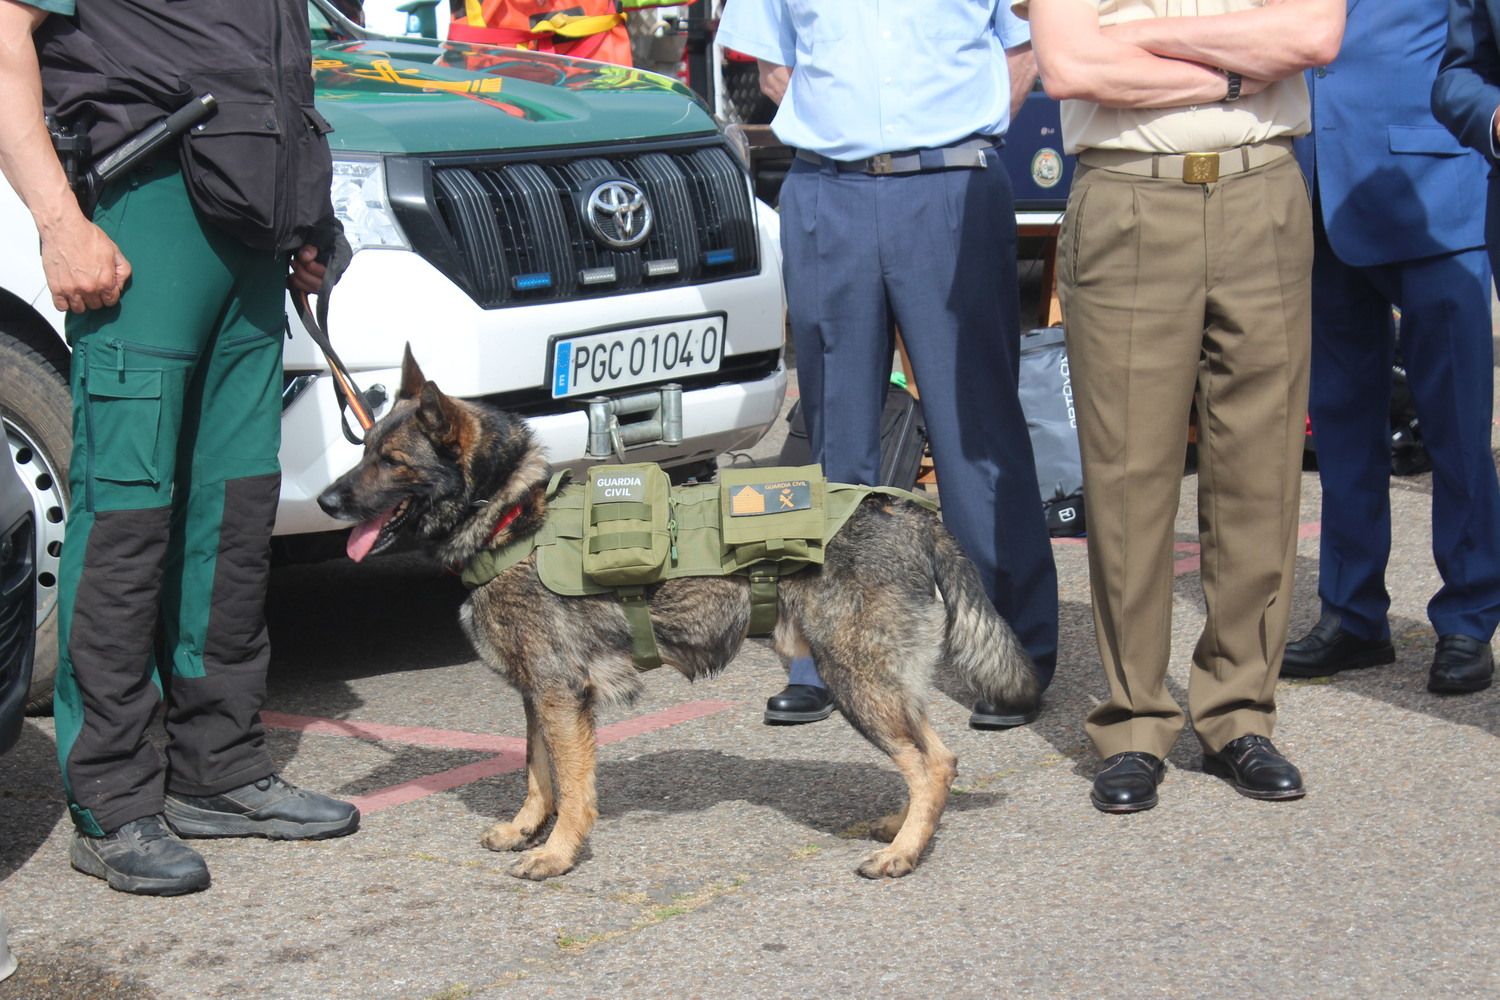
x=1233 y=93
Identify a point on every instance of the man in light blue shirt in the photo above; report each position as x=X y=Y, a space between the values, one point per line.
x=898 y=213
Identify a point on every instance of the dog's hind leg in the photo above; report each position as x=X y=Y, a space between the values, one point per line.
x=929 y=768
x=540 y=803
x=567 y=723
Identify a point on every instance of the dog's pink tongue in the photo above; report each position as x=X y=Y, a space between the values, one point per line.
x=362 y=537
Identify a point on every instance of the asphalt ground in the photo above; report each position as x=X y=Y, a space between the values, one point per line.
x=723 y=861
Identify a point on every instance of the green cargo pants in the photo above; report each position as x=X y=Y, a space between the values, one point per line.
x=174 y=480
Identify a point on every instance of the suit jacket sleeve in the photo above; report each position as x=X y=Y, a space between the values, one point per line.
x=1467 y=90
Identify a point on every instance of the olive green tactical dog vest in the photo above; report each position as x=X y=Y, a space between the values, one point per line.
x=626 y=528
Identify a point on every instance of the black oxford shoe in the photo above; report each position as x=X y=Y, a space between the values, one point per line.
x=1461 y=665
x=1255 y=768
x=995 y=716
x=1126 y=782
x=798 y=703
x=1328 y=649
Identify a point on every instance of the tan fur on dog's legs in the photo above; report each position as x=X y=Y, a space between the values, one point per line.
x=928 y=778
x=539 y=805
x=569 y=729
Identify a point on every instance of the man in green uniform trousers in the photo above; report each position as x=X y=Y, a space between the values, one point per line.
x=175 y=291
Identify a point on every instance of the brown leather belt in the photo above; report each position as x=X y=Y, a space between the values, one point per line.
x=1190 y=168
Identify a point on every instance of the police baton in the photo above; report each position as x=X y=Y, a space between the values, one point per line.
x=144 y=144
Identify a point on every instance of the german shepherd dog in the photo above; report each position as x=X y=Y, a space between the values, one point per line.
x=462 y=476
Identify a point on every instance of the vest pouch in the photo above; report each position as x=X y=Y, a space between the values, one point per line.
x=772 y=515
x=627 y=524
x=232 y=164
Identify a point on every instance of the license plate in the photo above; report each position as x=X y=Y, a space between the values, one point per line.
x=617 y=359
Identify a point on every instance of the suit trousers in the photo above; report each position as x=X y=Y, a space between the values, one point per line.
x=935 y=254
x=1447 y=348
x=174 y=481
x=1168 y=288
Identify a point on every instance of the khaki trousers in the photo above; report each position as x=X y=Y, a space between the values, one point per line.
x=1169 y=287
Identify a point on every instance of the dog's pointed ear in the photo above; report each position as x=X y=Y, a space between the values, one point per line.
x=412 y=378
x=438 y=414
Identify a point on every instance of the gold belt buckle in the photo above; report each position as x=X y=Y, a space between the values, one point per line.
x=881 y=164
x=1200 y=168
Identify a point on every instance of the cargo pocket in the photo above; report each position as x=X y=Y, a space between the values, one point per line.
x=124 y=411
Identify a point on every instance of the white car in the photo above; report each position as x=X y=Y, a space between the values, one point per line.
x=485 y=192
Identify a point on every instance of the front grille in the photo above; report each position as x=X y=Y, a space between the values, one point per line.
x=510 y=231
x=17 y=602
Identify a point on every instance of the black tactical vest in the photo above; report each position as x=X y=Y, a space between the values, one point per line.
x=260 y=166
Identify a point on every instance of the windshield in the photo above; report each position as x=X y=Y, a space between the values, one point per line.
x=325 y=27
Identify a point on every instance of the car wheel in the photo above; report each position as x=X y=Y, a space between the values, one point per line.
x=37 y=413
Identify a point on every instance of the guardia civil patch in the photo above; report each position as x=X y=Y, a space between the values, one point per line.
x=615 y=487
x=753 y=499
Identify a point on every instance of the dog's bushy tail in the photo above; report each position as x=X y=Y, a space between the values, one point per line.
x=980 y=644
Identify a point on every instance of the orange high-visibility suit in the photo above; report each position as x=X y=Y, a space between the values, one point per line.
x=588 y=29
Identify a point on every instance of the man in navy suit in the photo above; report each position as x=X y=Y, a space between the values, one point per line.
x=1466 y=94
x=1395 y=225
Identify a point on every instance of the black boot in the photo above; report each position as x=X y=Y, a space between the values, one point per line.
x=143 y=857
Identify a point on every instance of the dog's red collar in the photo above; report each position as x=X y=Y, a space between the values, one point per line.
x=506 y=520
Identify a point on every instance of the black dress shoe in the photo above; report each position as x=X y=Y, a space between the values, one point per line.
x=141 y=857
x=1126 y=782
x=1461 y=665
x=798 y=703
x=269 y=807
x=1327 y=649
x=989 y=716
x=1255 y=768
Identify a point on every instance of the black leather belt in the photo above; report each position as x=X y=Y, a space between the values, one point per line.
x=965 y=155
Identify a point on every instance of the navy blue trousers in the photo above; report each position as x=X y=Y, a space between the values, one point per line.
x=1449 y=356
x=935 y=255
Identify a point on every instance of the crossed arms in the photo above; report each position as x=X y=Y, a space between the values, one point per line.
x=1165 y=62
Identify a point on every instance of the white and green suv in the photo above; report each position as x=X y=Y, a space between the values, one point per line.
x=574 y=241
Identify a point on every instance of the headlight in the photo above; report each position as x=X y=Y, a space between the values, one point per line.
x=360 y=204
x=739 y=142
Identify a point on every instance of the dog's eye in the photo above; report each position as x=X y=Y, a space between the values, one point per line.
x=391 y=462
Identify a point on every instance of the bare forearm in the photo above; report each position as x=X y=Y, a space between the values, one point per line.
x=1269 y=43
x=1021 y=62
x=1078 y=61
x=26 y=155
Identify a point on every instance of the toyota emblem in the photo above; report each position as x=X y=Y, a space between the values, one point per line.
x=618 y=214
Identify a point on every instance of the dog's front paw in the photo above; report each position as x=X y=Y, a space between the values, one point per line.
x=540 y=863
x=886 y=863
x=506 y=837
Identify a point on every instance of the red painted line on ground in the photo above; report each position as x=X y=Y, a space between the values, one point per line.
x=510 y=750
x=450 y=738
x=443 y=781
x=660 y=720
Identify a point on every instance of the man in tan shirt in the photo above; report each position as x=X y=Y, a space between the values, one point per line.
x=1185 y=264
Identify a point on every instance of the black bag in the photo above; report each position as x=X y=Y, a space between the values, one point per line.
x=1046 y=392
x=903 y=439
